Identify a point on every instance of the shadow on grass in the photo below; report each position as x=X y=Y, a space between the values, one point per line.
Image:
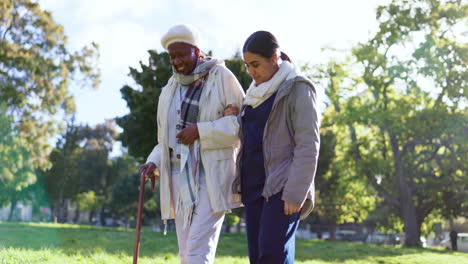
x=85 y=240
x=341 y=251
x=334 y=252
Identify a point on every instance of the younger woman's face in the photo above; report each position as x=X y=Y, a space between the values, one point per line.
x=261 y=69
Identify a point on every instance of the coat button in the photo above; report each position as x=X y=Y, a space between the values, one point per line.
x=178 y=127
x=178 y=156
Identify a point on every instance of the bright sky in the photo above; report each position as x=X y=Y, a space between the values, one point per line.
x=126 y=29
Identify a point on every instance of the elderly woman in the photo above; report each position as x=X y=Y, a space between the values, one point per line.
x=194 y=157
x=280 y=145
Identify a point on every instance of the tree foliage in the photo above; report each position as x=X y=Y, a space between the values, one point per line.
x=81 y=166
x=16 y=170
x=399 y=105
x=36 y=70
x=139 y=126
x=341 y=195
x=237 y=66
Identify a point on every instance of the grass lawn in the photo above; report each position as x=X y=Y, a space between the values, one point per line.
x=27 y=243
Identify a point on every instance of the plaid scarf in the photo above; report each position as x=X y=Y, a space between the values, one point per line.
x=196 y=80
x=190 y=104
x=204 y=65
x=190 y=163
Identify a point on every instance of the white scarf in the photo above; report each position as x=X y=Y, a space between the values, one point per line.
x=256 y=95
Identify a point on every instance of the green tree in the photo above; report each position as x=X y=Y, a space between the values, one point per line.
x=94 y=163
x=95 y=167
x=237 y=66
x=36 y=68
x=62 y=180
x=139 y=126
x=16 y=170
x=401 y=105
x=124 y=199
x=38 y=198
x=125 y=191
x=341 y=195
x=231 y=220
x=90 y=202
x=80 y=164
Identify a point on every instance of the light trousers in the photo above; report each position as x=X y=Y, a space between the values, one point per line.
x=198 y=241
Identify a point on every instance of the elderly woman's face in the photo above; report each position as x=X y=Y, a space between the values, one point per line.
x=261 y=69
x=183 y=57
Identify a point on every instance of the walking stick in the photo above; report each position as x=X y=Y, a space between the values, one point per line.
x=136 y=250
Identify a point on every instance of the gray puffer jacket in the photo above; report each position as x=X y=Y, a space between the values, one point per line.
x=291 y=143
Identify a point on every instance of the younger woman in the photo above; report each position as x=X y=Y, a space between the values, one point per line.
x=280 y=140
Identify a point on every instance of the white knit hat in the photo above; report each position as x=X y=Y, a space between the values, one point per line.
x=180 y=33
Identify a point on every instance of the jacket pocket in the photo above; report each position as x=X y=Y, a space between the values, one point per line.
x=220 y=173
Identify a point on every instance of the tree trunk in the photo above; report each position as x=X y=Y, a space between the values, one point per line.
x=407 y=208
x=331 y=231
x=61 y=212
x=12 y=209
x=412 y=230
x=66 y=206
x=102 y=216
x=59 y=206
x=90 y=217
x=55 y=212
x=77 y=213
x=238 y=226
x=318 y=224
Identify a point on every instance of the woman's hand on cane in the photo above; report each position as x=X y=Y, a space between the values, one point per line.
x=147 y=170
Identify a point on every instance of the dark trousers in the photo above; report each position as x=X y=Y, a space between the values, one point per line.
x=270 y=233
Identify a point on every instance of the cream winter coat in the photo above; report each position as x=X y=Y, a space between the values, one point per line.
x=219 y=141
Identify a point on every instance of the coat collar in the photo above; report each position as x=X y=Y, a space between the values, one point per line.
x=287 y=86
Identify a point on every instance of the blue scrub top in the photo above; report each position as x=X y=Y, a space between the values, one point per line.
x=253 y=168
